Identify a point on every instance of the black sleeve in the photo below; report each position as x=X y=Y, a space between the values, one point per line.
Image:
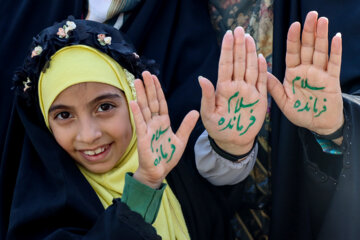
x=325 y=174
x=315 y=159
x=117 y=222
x=320 y=165
x=319 y=180
x=65 y=218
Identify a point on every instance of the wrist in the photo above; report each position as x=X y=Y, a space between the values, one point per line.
x=335 y=134
x=144 y=180
x=235 y=149
x=330 y=131
x=230 y=156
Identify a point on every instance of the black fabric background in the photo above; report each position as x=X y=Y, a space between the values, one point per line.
x=20 y=22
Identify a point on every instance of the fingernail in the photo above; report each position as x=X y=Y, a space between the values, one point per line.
x=228 y=32
x=314 y=11
x=338 y=34
x=247 y=35
x=260 y=55
x=199 y=77
x=238 y=27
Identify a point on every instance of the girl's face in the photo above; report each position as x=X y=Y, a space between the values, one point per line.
x=91 y=122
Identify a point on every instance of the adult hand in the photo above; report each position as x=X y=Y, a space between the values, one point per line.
x=311 y=95
x=234 y=114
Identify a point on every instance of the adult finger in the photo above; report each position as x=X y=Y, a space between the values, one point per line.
x=320 y=57
x=226 y=58
x=251 y=72
x=277 y=91
x=239 y=54
x=334 y=64
x=293 y=46
x=308 y=37
x=262 y=78
x=208 y=98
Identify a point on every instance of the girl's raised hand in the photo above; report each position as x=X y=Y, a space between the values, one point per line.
x=158 y=147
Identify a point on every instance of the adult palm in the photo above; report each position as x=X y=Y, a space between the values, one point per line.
x=310 y=96
x=234 y=114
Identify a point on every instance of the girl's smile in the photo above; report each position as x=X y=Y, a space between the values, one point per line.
x=91 y=122
x=97 y=154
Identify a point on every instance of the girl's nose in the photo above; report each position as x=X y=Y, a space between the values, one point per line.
x=89 y=131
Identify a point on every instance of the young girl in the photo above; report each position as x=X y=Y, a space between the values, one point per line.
x=84 y=97
x=75 y=93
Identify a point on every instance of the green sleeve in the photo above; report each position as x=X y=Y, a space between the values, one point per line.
x=141 y=198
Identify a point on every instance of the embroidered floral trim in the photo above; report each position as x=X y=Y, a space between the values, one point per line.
x=66 y=29
x=47 y=42
x=37 y=51
x=103 y=39
x=130 y=79
x=27 y=84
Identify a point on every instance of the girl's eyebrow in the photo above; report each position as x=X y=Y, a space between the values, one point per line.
x=105 y=96
x=95 y=100
x=59 y=106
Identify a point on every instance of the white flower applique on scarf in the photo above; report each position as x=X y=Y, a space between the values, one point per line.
x=66 y=29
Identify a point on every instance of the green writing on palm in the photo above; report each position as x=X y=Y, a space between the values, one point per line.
x=237 y=115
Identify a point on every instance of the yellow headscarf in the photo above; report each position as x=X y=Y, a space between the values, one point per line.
x=77 y=64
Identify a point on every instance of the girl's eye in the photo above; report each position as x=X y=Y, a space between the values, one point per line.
x=63 y=115
x=105 y=107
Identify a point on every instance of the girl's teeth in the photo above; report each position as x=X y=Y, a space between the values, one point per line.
x=97 y=151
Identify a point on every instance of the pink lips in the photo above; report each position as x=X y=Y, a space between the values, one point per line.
x=97 y=154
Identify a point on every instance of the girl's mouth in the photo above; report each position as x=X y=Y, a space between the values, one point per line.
x=96 y=154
